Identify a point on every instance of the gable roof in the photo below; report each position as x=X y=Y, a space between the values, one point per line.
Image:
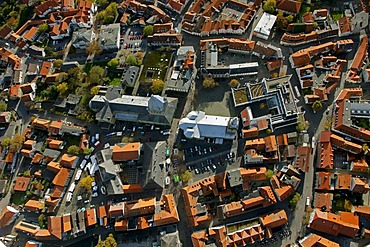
x=21 y=184
x=7 y=215
x=290 y=6
x=126 y=152
x=55 y=226
x=45 y=68
x=61 y=178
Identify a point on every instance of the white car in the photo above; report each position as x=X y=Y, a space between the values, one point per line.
x=103 y=190
x=95 y=188
x=69 y=197
x=83 y=164
x=168 y=180
x=93 y=183
x=78 y=175
x=119 y=134
x=95 y=194
x=97 y=136
x=106 y=145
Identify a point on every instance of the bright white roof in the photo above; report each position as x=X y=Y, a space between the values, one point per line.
x=265 y=24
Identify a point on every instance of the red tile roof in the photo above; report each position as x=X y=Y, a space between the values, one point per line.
x=21 y=184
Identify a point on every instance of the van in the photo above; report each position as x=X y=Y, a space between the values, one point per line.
x=69 y=197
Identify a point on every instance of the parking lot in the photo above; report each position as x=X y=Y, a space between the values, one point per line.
x=132 y=40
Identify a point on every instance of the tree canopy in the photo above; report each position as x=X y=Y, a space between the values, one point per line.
x=3 y=106
x=96 y=74
x=94 y=90
x=93 y=48
x=6 y=142
x=148 y=30
x=234 y=83
x=16 y=143
x=108 y=242
x=58 y=63
x=62 y=89
x=186 y=176
x=317 y=106
x=44 y=27
x=157 y=86
x=131 y=60
x=114 y=62
x=86 y=182
x=269 y=174
x=73 y=150
x=108 y=15
x=209 y=82
x=295 y=199
x=270 y=6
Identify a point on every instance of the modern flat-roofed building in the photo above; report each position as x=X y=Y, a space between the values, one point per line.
x=264 y=26
x=198 y=125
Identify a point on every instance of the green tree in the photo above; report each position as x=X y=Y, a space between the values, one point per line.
x=62 y=89
x=148 y=30
x=93 y=48
x=281 y=21
x=365 y=147
x=114 y=62
x=96 y=74
x=108 y=242
x=157 y=86
x=43 y=221
x=302 y=124
x=295 y=199
x=6 y=142
x=347 y=205
x=43 y=28
x=315 y=25
x=73 y=150
x=16 y=143
x=317 y=105
x=102 y=3
x=186 y=176
x=234 y=83
x=3 y=106
x=131 y=60
x=269 y=174
x=94 y=90
x=87 y=151
x=270 y=6
x=139 y=57
x=209 y=82
x=290 y=18
x=57 y=63
x=86 y=182
x=27 y=173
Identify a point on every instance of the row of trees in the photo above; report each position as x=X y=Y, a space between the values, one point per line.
x=14 y=144
x=209 y=82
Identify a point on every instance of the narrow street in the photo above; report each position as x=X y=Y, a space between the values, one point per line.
x=297 y=223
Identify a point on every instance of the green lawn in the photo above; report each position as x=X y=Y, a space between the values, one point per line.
x=114 y=77
x=18 y=198
x=156 y=62
x=115 y=82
